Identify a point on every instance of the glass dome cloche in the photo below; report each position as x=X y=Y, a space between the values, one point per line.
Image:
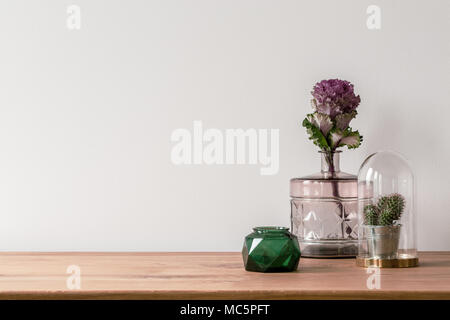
x=386 y=212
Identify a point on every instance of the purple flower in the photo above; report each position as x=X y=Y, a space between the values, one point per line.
x=334 y=97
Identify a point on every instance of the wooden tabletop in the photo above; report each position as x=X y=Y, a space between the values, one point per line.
x=210 y=276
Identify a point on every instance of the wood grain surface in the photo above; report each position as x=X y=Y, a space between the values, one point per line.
x=211 y=276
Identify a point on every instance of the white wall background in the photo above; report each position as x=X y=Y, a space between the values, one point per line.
x=86 y=116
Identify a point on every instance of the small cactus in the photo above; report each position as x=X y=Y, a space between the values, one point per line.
x=395 y=203
x=387 y=217
x=382 y=202
x=388 y=209
x=371 y=215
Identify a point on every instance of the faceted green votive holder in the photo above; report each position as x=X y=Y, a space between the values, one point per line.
x=271 y=249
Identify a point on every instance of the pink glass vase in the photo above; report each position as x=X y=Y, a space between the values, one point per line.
x=324 y=210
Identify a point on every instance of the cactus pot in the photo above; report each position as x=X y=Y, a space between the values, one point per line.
x=382 y=241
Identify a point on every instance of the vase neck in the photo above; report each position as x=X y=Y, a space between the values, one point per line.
x=330 y=162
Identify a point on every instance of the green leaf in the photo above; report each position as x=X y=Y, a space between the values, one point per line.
x=335 y=137
x=349 y=138
x=321 y=121
x=343 y=120
x=315 y=135
x=352 y=139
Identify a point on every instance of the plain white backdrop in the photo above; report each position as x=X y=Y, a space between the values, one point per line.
x=86 y=115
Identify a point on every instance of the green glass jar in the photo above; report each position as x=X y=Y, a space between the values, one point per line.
x=271 y=249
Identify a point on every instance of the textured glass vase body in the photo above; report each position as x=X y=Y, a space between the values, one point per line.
x=271 y=249
x=324 y=211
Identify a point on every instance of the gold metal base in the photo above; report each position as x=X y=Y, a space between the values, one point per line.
x=387 y=263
